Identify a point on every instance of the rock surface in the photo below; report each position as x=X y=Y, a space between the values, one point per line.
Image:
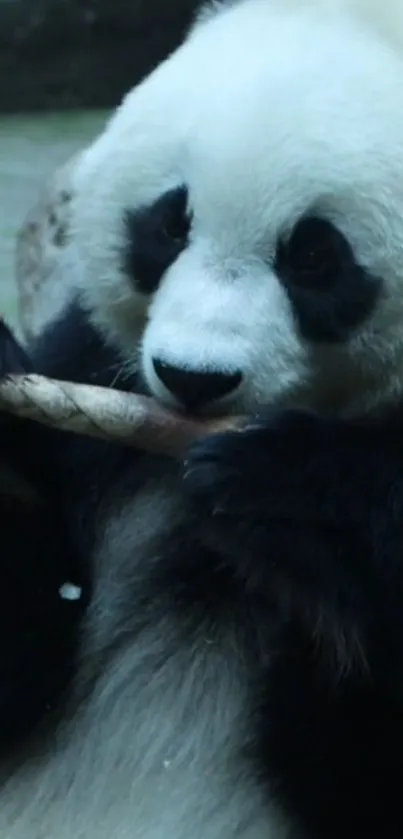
x=57 y=54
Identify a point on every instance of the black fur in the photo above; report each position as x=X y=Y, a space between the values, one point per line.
x=295 y=526
x=331 y=294
x=38 y=629
x=155 y=236
x=312 y=508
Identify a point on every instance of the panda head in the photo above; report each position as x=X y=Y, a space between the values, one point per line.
x=238 y=226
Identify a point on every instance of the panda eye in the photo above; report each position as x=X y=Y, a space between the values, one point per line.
x=154 y=237
x=330 y=293
x=176 y=227
x=313 y=254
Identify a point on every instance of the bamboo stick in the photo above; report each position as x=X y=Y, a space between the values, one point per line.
x=130 y=419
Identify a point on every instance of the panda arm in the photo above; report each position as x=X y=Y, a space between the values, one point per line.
x=313 y=505
x=38 y=628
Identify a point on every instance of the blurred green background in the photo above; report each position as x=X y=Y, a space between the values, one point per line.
x=64 y=64
x=30 y=148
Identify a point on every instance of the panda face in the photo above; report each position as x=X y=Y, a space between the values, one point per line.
x=239 y=225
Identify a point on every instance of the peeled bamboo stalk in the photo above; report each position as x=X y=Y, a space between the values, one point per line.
x=129 y=419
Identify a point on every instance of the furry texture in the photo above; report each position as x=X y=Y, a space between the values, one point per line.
x=238 y=660
x=252 y=117
x=39 y=631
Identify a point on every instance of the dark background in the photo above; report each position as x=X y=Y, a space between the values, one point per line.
x=61 y=54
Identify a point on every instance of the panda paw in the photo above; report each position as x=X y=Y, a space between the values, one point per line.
x=288 y=504
x=218 y=469
x=264 y=497
x=251 y=472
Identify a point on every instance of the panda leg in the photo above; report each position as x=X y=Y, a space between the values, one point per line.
x=38 y=628
x=310 y=510
x=312 y=505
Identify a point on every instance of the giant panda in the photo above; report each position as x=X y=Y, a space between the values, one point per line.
x=234 y=665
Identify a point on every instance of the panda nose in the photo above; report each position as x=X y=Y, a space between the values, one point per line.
x=194 y=388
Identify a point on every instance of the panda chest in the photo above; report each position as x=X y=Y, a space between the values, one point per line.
x=156 y=749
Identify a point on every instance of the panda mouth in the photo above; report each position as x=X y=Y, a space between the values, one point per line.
x=195 y=410
x=191 y=412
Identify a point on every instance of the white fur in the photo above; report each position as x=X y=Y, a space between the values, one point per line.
x=154 y=753
x=268 y=109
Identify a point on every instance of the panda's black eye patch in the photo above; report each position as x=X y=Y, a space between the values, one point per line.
x=155 y=236
x=330 y=292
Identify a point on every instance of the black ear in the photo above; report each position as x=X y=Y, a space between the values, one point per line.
x=13 y=357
